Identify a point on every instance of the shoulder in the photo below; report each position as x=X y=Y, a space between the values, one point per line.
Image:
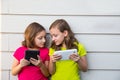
x=19 y=53
x=79 y=45
x=44 y=50
x=51 y=51
x=22 y=48
x=81 y=49
x=19 y=50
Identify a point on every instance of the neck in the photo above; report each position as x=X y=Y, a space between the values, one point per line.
x=64 y=45
x=34 y=48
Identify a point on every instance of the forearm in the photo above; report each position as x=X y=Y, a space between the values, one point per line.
x=16 y=70
x=82 y=63
x=44 y=70
x=52 y=67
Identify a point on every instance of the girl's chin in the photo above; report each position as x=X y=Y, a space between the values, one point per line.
x=57 y=44
x=41 y=46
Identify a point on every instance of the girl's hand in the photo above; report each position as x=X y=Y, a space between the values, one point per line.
x=74 y=57
x=36 y=62
x=55 y=57
x=24 y=62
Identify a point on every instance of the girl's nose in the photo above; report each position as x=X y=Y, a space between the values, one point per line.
x=53 y=38
x=44 y=40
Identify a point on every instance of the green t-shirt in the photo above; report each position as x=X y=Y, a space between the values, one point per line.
x=67 y=69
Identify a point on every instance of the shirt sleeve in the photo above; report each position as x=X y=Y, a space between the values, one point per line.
x=51 y=51
x=81 y=50
x=48 y=57
x=16 y=54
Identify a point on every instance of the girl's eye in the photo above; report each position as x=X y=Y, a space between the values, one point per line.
x=40 y=38
x=55 y=35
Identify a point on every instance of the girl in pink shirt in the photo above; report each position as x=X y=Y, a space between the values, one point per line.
x=34 y=39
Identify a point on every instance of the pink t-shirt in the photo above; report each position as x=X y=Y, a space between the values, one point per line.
x=31 y=72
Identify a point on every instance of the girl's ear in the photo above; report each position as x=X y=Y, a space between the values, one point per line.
x=65 y=33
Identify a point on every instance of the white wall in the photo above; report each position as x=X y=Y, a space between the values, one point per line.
x=96 y=23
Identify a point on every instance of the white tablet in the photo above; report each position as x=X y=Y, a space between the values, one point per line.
x=66 y=53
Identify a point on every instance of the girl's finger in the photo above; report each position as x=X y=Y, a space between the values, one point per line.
x=38 y=57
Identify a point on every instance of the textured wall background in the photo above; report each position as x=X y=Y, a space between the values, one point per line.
x=96 y=24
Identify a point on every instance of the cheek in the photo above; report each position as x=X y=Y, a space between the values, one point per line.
x=58 y=37
x=37 y=41
x=61 y=39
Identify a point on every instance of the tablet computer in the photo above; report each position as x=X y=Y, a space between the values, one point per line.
x=66 y=53
x=31 y=54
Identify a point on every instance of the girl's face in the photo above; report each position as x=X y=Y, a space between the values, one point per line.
x=57 y=36
x=40 y=39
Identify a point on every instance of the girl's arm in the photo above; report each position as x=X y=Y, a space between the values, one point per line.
x=44 y=68
x=81 y=61
x=17 y=66
x=52 y=64
x=52 y=67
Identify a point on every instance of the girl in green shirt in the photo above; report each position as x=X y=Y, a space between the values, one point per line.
x=63 y=39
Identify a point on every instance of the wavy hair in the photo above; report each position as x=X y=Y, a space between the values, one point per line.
x=30 y=33
x=70 y=40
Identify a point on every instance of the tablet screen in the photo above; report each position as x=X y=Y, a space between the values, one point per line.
x=31 y=54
